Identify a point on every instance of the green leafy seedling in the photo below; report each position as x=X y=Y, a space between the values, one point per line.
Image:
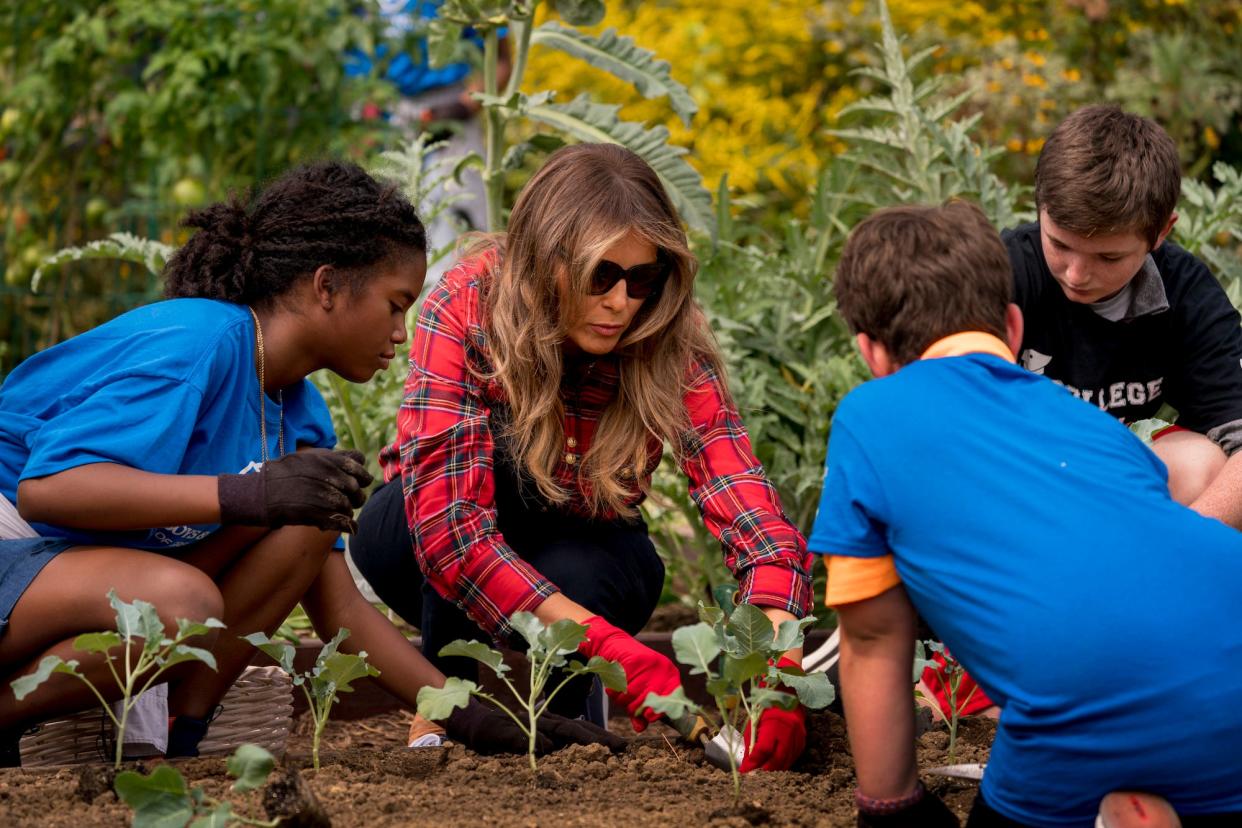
x=134 y=676
x=953 y=675
x=738 y=654
x=547 y=649
x=333 y=673
x=162 y=798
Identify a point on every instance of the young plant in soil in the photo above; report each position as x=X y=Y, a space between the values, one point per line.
x=134 y=676
x=162 y=798
x=547 y=649
x=953 y=675
x=738 y=653
x=332 y=674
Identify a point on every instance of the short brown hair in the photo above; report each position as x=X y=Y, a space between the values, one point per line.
x=1106 y=171
x=914 y=274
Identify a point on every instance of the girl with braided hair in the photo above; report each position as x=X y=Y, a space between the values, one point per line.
x=179 y=455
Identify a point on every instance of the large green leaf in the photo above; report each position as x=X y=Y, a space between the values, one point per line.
x=187 y=628
x=182 y=653
x=340 y=669
x=752 y=629
x=762 y=697
x=24 y=686
x=611 y=674
x=479 y=652
x=740 y=669
x=281 y=651
x=436 y=703
x=814 y=689
x=621 y=57
x=125 y=247
x=588 y=121
x=100 y=642
x=696 y=646
x=674 y=705
x=218 y=817
x=528 y=626
x=789 y=633
x=562 y=638
x=160 y=800
x=250 y=766
x=330 y=648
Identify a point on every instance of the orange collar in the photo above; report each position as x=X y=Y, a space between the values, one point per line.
x=968 y=342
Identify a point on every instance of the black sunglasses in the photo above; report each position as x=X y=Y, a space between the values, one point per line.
x=641 y=280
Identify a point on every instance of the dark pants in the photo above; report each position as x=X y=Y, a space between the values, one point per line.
x=982 y=815
x=609 y=567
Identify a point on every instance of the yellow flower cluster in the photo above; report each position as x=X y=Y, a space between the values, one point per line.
x=769 y=78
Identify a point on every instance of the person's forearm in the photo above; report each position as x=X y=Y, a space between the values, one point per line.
x=557 y=606
x=112 y=497
x=877 y=651
x=1223 y=497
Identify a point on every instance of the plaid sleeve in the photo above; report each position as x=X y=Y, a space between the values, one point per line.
x=446 y=471
x=762 y=548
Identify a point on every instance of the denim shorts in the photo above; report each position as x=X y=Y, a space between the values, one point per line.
x=21 y=561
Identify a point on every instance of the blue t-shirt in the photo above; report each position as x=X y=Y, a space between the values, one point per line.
x=1037 y=537
x=169 y=388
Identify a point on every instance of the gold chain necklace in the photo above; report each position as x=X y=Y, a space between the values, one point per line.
x=280 y=395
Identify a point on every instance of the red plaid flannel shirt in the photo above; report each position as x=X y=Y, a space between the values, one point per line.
x=443 y=453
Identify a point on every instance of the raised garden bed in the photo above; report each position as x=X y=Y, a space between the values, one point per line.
x=368 y=778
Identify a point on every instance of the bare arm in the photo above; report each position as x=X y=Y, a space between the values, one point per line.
x=877 y=651
x=112 y=497
x=1222 y=499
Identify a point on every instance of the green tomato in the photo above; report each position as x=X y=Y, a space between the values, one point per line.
x=16 y=274
x=33 y=255
x=189 y=192
x=9 y=119
x=96 y=208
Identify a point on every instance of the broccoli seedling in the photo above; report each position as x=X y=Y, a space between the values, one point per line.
x=332 y=674
x=134 y=676
x=547 y=649
x=162 y=798
x=953 y=675
x=746 y=683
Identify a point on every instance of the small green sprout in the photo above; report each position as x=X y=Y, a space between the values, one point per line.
x=332 y=674
x=747 y=680
x=134 y=676
x=162 y=798
x=547 y=651
x=953 y=675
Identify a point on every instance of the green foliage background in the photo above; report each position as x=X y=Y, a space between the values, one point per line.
x=120 y=115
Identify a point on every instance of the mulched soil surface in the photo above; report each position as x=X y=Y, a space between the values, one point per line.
x=369 y=779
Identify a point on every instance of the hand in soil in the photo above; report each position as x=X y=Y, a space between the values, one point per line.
x=488 y=731
x=565 y=732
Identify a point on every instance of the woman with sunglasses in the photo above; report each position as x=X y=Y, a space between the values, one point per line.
x=548 y=372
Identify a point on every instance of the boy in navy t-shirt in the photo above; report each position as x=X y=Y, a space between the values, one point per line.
x=1123 y=317
x=1036 y=535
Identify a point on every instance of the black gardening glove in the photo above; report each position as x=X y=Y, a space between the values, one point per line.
x=313 y=487
x=563 y=732
x=928 y=812
x=486 y=730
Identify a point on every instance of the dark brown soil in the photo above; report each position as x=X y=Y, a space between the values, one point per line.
x=369 y=778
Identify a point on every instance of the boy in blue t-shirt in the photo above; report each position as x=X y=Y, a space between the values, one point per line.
x=1037 y=536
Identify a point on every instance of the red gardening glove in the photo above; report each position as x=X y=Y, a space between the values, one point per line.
x=782 y=735
x=970 y=696
x=646 y=671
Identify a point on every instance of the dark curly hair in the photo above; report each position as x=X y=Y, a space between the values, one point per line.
x=250 y=251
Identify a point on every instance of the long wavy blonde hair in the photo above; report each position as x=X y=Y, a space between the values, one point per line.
x=585 y=199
